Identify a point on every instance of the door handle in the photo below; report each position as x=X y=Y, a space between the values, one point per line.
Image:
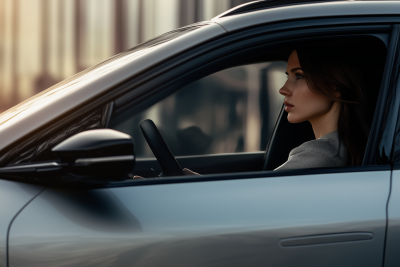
x=324 y=239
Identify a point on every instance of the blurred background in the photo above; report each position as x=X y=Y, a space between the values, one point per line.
x=42 y=42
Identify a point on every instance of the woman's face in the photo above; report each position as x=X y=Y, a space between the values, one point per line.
x=301 y=103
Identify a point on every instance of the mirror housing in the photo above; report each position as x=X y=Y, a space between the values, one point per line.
x=99 y=154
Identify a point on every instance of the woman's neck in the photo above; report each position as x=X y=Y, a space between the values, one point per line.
x=327 y=122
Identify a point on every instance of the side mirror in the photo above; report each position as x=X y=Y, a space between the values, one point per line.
x=101 y=154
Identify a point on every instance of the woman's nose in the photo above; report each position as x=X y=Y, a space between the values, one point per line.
x=285 y=90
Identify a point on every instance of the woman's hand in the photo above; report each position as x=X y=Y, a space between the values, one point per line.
x=186 y=172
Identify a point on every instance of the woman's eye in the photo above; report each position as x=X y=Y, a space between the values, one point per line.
x=299 y=76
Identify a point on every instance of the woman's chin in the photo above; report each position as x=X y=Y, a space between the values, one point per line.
x=294 y=119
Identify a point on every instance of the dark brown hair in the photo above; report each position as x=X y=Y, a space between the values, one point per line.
x=350 y=74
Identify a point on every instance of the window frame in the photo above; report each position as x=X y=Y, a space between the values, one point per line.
x=270 y=174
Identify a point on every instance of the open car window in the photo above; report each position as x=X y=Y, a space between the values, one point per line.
x=230 y=111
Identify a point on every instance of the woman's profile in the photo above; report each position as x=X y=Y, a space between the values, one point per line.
x=335 y=89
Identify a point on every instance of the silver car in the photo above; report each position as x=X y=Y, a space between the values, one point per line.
x=67 y=197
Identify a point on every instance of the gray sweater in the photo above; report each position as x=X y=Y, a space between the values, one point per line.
x=327 y=151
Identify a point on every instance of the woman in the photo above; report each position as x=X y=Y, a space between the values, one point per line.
x=335 y=90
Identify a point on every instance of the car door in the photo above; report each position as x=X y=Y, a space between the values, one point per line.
x=304 y=218
x=335 y=219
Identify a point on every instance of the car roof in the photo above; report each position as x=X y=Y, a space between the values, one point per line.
x=61 y=99
x=306 y=10
x=265 y=4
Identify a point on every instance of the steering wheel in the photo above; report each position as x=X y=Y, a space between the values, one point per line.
x=161 y=151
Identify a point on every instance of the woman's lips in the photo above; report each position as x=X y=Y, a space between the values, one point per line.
x=288 y=105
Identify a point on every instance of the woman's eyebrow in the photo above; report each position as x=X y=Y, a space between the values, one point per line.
x=294 y=69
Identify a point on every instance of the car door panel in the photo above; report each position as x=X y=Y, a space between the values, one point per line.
x=215 y=223
x=13 y=197
x=392 y=256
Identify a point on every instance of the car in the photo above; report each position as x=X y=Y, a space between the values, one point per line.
x=67 y=197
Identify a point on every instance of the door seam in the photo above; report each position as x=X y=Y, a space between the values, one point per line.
x=387 y=217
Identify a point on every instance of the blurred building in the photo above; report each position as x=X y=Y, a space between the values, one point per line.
x=45 y=41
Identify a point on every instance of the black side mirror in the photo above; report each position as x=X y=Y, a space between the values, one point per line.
x=103 y=154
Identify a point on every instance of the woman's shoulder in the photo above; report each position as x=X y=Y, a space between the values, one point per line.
x=327 y=151
x=328 y=144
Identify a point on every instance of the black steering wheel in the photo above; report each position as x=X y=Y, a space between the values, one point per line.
x=161 y=151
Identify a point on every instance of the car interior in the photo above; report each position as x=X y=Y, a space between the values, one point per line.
x=284 y=137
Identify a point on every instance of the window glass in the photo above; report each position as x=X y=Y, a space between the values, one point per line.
x=230 y=111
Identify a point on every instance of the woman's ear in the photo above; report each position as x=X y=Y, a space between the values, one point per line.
x=337 y=94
